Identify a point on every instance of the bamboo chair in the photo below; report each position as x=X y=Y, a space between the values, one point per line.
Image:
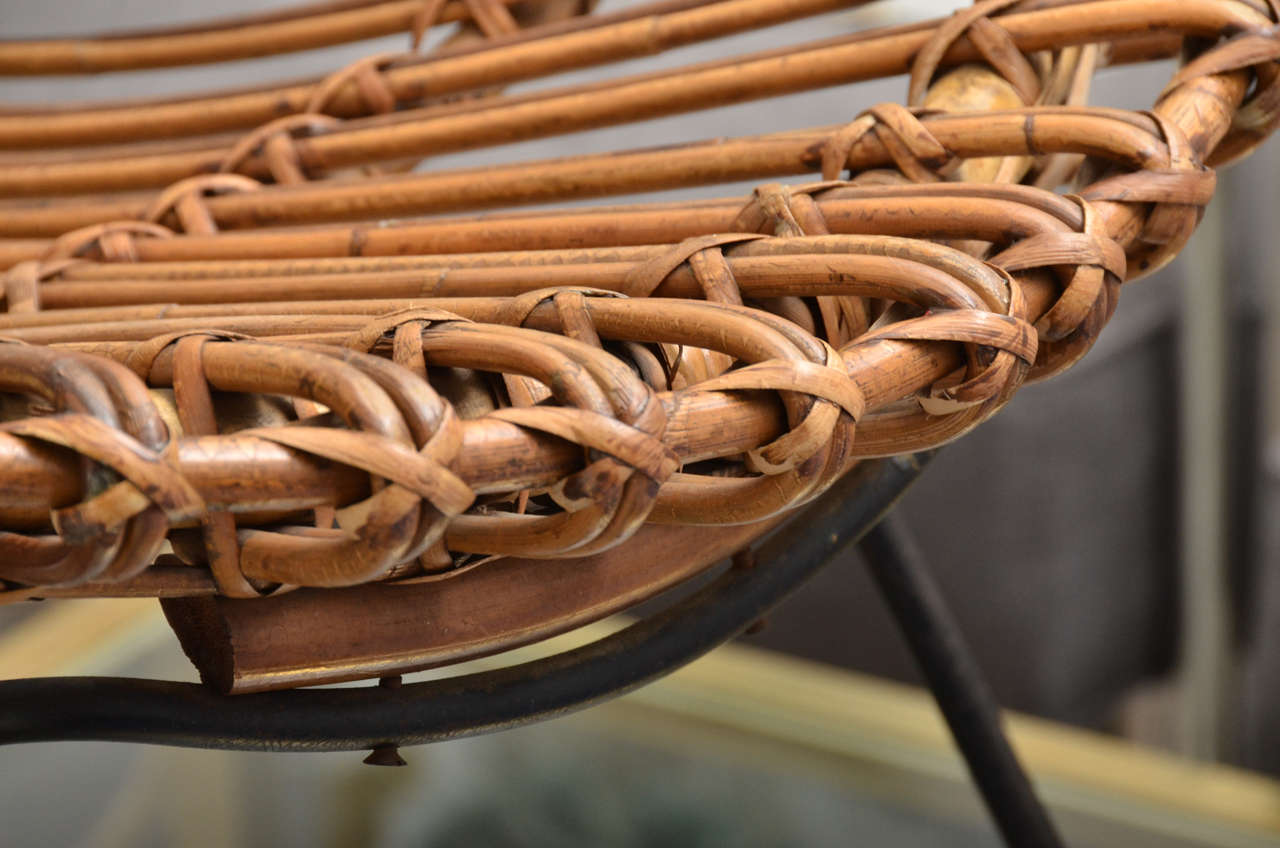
x=245 y=373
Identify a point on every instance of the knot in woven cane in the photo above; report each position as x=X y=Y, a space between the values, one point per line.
x=490 y=17
x=376 y=417
x=706 y=261
x=784 y=210
x=130 y=493
x=193 y=402
x=791 y=211
x=1259 y=53
x=184 y=201
x=274 y=145
x=21 y=283
x=602 y=407
x=569 y=303
x=1001 y=349
x=1177 y=190
x=827 y=392
x=113 y=242
x=820 y=404
x=1091 y=266
x=915 y=151
x=366 y=75
x=990 y=39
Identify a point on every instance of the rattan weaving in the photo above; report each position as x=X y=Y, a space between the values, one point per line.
x=243 y=374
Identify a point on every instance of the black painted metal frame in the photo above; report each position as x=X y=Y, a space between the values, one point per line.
x=188 y=714
x=382 y=717
x=957 y=684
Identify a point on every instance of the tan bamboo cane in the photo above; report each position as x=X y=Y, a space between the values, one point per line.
x=1109 y=134
x=265 y=34
x=543 y=49
x=504 y=120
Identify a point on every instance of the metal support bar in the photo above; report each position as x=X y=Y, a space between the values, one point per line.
x=1204 y=377
x=187 y=714
x=956 y=682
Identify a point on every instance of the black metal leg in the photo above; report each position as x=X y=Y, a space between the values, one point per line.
x=953 y=675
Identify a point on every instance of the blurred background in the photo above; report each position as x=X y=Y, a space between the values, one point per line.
x=1119 y=581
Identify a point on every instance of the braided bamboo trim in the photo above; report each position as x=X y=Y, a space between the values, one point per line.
x=979 y=307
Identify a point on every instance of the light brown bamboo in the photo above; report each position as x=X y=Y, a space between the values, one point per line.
x=846 y=210
x=285 y=31
x=509 y=119
x=540 y=50
x=1107 y=134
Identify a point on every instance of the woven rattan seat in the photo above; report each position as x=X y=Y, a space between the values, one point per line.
x=243 y=371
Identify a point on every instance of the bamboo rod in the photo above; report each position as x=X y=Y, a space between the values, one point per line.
x=1010 y=209
x=287 y=31
x=554 y=47
x=1109 y=134
x=503 y=120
